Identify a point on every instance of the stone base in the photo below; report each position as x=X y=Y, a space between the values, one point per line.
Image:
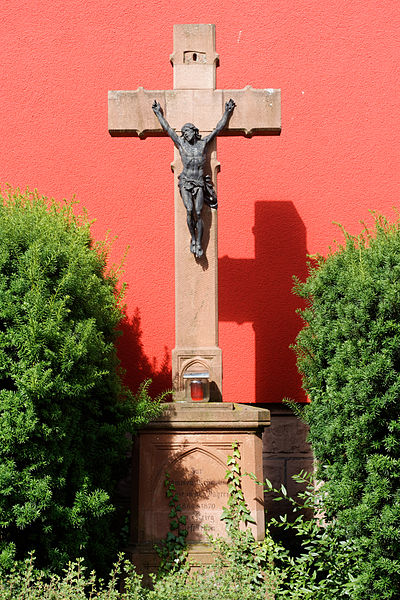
x=192 y=442
x=146 y=559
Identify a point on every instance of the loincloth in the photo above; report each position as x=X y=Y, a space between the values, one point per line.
x=194 y=185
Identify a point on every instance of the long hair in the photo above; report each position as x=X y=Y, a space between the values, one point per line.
x=193 y=128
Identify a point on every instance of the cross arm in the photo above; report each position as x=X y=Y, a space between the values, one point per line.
x=130 y=112
x=257 y=112
x=222 y=123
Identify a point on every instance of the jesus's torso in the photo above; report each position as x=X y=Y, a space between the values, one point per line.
x=193 y=158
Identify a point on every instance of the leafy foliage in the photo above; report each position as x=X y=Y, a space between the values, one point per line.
x=242 y=567
x=349 y=356
x=76 y=584
x=237 y=511
x=172 y=550
x=326 y=563
x=324 y=566
x=26 y=582
x=241 y=553
x=64 y=411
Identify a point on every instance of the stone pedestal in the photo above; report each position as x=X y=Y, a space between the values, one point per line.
x=191 y=441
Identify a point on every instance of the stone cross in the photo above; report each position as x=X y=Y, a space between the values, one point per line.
x=194 y=99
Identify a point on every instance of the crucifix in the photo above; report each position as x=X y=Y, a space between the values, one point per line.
x=195 y=99
x=194 y=186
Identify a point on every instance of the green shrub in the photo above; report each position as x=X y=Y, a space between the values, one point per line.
x=25 y=582
x=349 y=356
x=241 y=569
x=64 y=412
x=325 y=562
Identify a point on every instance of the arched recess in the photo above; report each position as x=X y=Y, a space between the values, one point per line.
x=171 y=466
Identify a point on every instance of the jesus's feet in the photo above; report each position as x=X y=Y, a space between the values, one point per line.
x=193 y=246
x=199 y=250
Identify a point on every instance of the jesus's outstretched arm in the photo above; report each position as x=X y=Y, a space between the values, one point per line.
x=229 y=107
x=164 y=123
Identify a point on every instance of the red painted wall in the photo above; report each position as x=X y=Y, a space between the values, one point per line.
x=337 y=157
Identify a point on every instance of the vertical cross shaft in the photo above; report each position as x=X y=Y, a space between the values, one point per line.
x=196 y=281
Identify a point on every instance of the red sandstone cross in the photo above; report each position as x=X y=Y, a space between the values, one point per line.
x=195 y=99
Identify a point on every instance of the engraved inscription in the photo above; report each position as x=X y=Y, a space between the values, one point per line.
x=202 y=501
x=198 y=475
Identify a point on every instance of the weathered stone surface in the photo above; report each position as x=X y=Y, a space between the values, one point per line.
x=196 y=463
x=285 y=453
x=192 y=442
x=204 y=108
x=257 y=110
x=212 y=415
x=194 y=57
x=275 y=471
x=287 y=435
x=130 y=114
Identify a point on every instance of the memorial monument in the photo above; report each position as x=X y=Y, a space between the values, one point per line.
x=193 y=438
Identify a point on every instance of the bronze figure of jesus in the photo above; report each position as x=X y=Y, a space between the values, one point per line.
x=195 y=188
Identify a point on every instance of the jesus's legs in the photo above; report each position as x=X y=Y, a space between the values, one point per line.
x=198 y=205
x=188 y=202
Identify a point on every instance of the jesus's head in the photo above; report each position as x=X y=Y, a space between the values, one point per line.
x=190 y=132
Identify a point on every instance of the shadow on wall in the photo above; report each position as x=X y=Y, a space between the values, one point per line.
x=259 y=290
x=137 y=365
x=187 y=463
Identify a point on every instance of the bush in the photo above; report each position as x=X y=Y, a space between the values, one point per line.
x=25 y=582
x=324 y=564
x=349 y=356
x=64 y=412
x=241 y=567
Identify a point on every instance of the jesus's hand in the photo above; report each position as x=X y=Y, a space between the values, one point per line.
x=229 y=106
x=156 y=106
